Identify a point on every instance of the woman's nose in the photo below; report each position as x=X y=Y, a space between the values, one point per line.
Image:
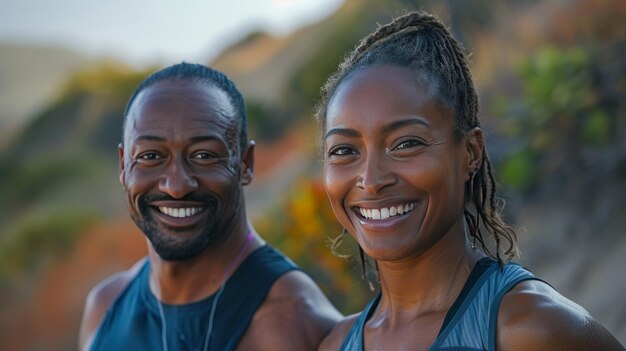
x=375 y=175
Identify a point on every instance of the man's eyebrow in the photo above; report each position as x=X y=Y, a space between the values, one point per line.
x=200 y=138
x=194 y=139
x=404 y=122
x=150 y=138
x=343 y=131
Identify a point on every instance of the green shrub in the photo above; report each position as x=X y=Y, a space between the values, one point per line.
x=38 y=236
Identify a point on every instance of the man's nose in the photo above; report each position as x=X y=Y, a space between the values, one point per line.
x=375 y=175
x=178 y=180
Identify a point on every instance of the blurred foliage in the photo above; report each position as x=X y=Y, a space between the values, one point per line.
x=266 y=122
x=306 y=82
x=560 y=114
x=347 y=28
x=302 y=227
x=519 y=170
x=62 y=145
x=25 y=182
x=88 y=113
x=112 y=81
x=35 y=237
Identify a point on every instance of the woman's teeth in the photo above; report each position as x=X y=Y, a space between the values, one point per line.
x=386 y=212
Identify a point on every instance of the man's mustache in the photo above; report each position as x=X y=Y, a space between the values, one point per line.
x=207 y=198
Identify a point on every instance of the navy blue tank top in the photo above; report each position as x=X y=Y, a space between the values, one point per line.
x=470 y=324
x=133 y=322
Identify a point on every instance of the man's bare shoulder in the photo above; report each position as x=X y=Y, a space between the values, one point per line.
x=99 y=300
x=534 y=316
x=296 y=315
x=333 y=341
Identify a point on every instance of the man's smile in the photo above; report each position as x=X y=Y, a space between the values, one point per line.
x=180 y=212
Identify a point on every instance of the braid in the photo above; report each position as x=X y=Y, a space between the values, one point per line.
x=422 y=43
x=415 y=21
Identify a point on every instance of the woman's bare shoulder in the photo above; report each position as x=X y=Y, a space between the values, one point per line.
x=534 y=316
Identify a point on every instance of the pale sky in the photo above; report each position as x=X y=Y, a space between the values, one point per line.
x=143 y=32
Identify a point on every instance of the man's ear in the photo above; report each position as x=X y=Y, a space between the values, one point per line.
x=475 y=146
x=120 y=152
x=247 y=163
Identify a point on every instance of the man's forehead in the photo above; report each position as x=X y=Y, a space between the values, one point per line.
x=184 y=93
x=170 y=104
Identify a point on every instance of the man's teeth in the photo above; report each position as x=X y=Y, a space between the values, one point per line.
x=386 y=212
x=180 y=212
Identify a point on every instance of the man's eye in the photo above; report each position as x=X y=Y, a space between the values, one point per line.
x=150 y=156
x=203 y=156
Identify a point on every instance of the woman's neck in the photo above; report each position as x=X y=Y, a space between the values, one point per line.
x=428 y=283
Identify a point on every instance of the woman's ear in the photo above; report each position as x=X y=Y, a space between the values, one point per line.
x=247 y=161
x=475 y=147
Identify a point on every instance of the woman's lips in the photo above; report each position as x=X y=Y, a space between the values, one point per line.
x=386 y=212
x=383 y=218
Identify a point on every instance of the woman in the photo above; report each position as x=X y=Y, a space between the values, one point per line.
x=408 y=177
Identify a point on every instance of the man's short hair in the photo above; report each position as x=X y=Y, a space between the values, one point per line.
x=196 y=72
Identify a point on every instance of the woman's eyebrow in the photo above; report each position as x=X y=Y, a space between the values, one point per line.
x=343 y=131
x=404 y=122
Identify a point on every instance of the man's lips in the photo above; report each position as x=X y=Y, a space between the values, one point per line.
x=179 y=214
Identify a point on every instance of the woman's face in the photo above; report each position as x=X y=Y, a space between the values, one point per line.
x=394 y=170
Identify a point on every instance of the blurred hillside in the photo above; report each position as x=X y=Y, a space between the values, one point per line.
x=30 y=77
x=552 y=82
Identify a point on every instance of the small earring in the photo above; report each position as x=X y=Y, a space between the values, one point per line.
x=336 y=242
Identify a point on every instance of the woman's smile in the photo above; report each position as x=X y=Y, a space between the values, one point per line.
x=383 y=218
x=386 y=212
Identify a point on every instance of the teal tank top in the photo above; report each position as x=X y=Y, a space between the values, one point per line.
x=470 y=324
x=133 y=322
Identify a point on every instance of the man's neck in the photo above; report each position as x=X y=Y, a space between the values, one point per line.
x=193 y=279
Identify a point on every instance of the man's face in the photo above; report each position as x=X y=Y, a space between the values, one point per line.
x=181 y=167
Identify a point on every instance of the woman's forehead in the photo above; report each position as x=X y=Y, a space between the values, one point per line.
x=381 y=91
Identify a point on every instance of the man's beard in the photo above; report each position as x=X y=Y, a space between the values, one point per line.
x=169 y=247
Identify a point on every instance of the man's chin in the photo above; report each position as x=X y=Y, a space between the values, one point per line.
x=170 y=256
x=178 y=251
x=176 y=245
x=173 y=243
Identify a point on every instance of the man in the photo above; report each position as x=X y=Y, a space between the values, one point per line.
x=209 y=282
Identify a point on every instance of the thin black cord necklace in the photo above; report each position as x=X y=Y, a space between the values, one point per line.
x=207 y=337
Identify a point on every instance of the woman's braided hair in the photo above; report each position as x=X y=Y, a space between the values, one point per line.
x=422 y=43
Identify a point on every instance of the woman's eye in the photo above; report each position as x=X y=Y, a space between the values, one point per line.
x=341 y=151
x=408 y=144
